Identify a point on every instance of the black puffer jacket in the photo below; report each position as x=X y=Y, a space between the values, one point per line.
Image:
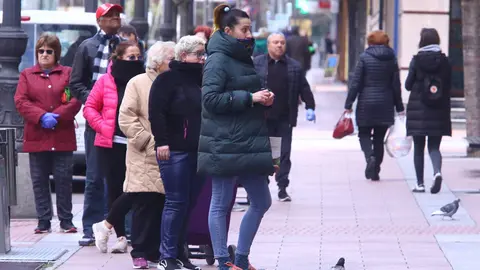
x=423 y=120
x=376 y=83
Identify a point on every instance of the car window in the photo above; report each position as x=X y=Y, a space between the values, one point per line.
x=70 y=37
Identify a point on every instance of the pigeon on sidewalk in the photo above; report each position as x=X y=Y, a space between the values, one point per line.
x=448 y=210
x=340 y=265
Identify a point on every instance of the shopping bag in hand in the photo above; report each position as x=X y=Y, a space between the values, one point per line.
x=344 y=126
x=397 y=143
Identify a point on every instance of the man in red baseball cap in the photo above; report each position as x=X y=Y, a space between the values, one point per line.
x=108 y=18
x=89 y=64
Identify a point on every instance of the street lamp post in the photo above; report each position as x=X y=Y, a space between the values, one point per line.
x=139 y=20
x=13 y=42
x=91 y=5
x=167 y=28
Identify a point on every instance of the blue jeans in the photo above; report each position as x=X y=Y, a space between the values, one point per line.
x=182 y=187
x=257 y=190
x=93 y=204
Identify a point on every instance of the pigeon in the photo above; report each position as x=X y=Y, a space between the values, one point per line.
x=340 y=265
x=448 y=210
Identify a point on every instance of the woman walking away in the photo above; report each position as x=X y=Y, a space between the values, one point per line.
x=174 y=112
x=428 y=109
x=234 y=142
x=101 y=111
x=43 y=99
x=143 y=184
x=376 y=86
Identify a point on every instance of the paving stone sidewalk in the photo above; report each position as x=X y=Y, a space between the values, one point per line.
x=336 y=213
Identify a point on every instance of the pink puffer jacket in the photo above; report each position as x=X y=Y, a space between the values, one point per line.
x=100 y=110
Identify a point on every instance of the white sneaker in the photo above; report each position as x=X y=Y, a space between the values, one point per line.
x=419 y=188
x=101 y=233
x=121 y=245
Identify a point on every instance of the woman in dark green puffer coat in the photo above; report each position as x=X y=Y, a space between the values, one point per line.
x=234 y=145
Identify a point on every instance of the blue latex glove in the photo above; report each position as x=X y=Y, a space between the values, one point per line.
x=310 y=115
x=48 y=120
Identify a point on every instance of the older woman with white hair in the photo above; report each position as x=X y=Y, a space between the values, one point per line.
x=143 y=187
x=174 y=111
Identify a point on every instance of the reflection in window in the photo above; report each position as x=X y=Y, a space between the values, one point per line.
x=70 y=37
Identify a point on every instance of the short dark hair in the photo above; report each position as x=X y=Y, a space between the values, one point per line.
x=224 y=15
x=51 y=41
x=128 y=29
x=122 y=48
x=429 y=36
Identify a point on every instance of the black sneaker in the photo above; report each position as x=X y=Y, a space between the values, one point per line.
x=186 y=263
x=44 y=226
x=370 y=169
x=67 y=226
x=86 y=241
x=169 y=264
x=437 y=183
x=283 y=195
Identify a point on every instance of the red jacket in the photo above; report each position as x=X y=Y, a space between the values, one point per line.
x=100 y=110
x=37 y=94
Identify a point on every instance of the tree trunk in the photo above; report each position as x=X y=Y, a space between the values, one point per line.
x=471 y=63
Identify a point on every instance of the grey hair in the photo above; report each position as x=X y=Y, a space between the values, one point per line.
x=275 y=33
x=158 y=53
x=187 y=44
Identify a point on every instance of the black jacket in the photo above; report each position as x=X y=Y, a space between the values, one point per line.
x=234 y=137
x=174 y=107
x=423 y=120
x=376 y=84
x=81 y=77
x=297 y=85
x=297 y=48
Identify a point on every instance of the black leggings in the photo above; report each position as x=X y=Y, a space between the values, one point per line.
x=419 y=155
x=371 y=142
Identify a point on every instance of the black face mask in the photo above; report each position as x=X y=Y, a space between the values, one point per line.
x=249 y=43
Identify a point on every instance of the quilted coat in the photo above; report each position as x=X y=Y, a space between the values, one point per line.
x=100 y=110
x=234 y=137
x=376 y=85
x=143 y=174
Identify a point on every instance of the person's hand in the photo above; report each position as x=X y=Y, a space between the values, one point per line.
x=277 y=168
x=348 y=111
x=311 y=115
x=402 y=113
x=270 y=99
x=163 y=152
x=261 y=96
x=49 y=120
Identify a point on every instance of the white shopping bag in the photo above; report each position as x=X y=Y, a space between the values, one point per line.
x=397 y=143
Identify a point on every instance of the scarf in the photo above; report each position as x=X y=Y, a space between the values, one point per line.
x=106 y=47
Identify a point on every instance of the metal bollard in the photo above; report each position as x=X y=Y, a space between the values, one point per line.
x=8 y=193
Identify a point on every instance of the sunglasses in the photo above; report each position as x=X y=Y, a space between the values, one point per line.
x=42 y=51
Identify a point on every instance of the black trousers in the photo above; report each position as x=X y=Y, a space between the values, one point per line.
x=118 y=211
x=419 y=155
x=60 y=164
x=371 y=142
x=112 y=164
x=146 y=221
x=282 y=128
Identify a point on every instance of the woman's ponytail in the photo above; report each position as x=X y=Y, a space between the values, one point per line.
x=218 y=14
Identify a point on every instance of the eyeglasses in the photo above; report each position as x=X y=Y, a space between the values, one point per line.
x=42 y=51
x=134 y=57
x=199 y=54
